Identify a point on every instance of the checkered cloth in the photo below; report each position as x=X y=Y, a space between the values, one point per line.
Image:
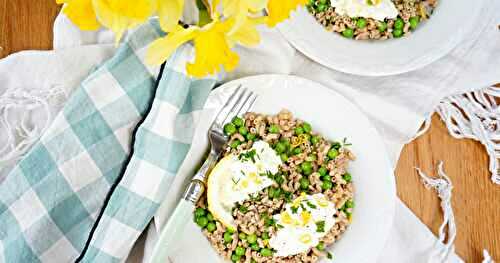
x=51 y=200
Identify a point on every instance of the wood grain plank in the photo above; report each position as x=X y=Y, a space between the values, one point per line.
x=475 y=197
x=27 y=25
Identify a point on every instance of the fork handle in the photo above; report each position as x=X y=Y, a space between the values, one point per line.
x=197 y=186
x=172 y=232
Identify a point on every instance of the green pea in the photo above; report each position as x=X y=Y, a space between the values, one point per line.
x=349 y=204
x=347 y=177
x=297 y=150
x=250 y=136
x=285 y=141
x=304 y=183
x=229 y=129
x=228 y=237
x=242 y=236
x=321 y=8
x=414 y=21
x=202 y=221
x=399 y=24
x=325 y=178
x=199 y=212
x=240 y=251
x=299 y=130
x=234 y=144
x=382 y=26
x=332 y=153
x=252 y=238
x=210 y=217
x=298 y=169
x=397 y=33
x=348 y=33
x=322 y=171
x=307 y=127
x=321 y=246
x=306 y=168
x=280 y=147
x=284 y=157
x=361 y=23
x=211 y=227
x=312 y=2
x=315 y=139
x=274 y=128
x=265 y=235
x=326 y=185
x=238 y=122
x=235 y=258
x=255 y=247
x=266 y=252
x=243 y=131
x=323 y=2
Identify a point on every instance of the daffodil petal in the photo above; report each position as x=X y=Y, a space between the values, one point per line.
x=81 y=13
x=120 y=15
x=161 y=49
x=279 y=10
x=212 y=51
x=170 y=12
x=247 y=34
x=257 y=5
x=230 y=7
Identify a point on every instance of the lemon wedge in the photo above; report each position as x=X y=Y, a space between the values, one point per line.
x=219 y=177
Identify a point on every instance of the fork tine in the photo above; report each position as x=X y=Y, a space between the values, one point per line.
x=239 y=105
x=221 y=116
x=248 y=104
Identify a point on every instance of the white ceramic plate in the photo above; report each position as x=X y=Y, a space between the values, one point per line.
x=336 y=118
x=431 y=41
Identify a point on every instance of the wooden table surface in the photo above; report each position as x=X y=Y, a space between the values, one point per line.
x=27 y=24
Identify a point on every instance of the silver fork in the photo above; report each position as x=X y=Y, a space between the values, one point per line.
x=240 y=102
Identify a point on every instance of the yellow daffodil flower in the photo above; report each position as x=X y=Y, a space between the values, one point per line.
x=121 y=15
x=81 y=13
x=169 y=13
x=279 y=10
x=212 y=44
x=117 y=15
x=238 y=9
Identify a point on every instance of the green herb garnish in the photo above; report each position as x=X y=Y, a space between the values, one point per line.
x=320 y=226
x=311 y=205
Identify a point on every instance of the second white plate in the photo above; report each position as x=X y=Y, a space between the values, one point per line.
x=449 y=24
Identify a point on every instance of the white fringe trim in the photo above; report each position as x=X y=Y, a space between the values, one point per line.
x=487 y=257
x=22 y=135
x=443 y=187
x=474 y=115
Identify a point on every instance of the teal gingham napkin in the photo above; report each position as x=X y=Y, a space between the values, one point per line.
x=50 y=202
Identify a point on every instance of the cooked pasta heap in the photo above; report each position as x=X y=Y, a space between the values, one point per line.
x=280 y=193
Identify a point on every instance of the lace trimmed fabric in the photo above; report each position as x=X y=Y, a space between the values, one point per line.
x=18 y=106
